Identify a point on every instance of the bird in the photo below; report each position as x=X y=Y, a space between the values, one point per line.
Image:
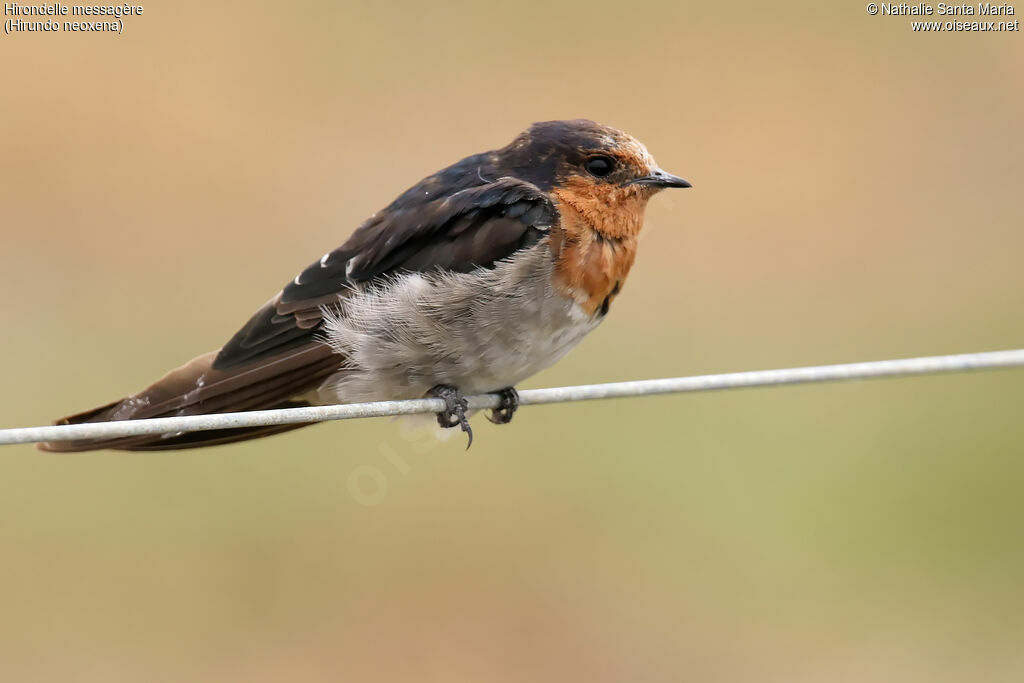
x=472 y=280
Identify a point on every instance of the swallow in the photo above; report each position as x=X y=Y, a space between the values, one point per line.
x=472 y=280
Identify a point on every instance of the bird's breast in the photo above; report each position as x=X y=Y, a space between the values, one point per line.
x=479 y=331
x=591 y=265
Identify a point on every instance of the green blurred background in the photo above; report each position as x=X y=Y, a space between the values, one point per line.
x=857 y=196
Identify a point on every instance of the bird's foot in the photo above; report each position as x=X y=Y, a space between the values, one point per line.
x=502 y=415
x=454 y=414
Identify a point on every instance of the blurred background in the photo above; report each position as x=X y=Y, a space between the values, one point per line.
x=857 y=196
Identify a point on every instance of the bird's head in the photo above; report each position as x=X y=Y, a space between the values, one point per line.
x=603 y=173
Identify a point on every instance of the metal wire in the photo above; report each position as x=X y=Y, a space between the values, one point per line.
x=734 y=380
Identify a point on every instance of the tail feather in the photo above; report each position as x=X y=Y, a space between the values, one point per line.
x=197 y=388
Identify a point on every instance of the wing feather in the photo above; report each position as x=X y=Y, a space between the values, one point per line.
x=277 y=356
x=472 y=228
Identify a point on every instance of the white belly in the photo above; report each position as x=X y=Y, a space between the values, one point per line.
x=479 y=331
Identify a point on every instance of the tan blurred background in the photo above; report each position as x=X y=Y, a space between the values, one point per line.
x=857 y=196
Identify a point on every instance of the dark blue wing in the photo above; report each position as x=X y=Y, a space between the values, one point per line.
x=423 y=230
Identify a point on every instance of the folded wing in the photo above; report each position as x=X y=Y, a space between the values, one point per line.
x=278 y=356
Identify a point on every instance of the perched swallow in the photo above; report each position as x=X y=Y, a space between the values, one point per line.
x=474 y=279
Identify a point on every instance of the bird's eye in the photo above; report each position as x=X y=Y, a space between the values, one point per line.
x=599 y=166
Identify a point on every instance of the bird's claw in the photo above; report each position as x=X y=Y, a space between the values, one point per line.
x=502 y=415
x=454 y=414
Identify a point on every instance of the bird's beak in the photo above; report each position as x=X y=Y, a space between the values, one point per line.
x=660 y=179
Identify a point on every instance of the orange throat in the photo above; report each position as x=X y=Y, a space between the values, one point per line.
x=596 y=244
